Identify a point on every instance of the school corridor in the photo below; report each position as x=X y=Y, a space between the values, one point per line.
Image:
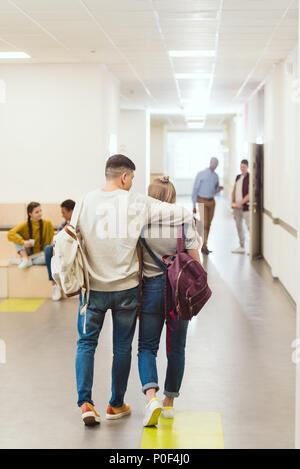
x=238 y=367
x=194 y=103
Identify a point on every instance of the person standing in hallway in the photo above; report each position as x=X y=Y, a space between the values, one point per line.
x=110 y=221
x=152 y=313
x=240 y=204
x=206 y=186
x=67 y=207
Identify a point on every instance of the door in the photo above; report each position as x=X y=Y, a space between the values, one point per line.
x=256 y=200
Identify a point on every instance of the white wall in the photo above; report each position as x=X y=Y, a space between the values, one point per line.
x=238 y=150
x=271 y=118
x=281 y=138
x=280 y=179
x=55 y=130
x=135 y=143
x=281 y=144
x=158 y=146
x=255 y=118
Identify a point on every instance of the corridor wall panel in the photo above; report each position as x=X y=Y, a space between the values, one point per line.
x=55 y=130
x=281 y=151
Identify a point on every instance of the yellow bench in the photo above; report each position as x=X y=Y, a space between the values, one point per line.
x=15 y=283
x=7 y=249
x=28 y=283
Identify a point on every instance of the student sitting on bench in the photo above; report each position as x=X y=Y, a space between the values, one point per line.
x=66 y=210
x=31 y=236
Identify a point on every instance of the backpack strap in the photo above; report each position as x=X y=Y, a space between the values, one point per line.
x=180 y=245
x=85 y=291
x=180 y=239
x=158 y=262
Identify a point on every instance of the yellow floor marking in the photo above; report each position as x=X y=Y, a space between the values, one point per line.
x=26 y=305
x=188 y=430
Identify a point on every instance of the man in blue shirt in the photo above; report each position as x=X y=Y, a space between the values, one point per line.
x=206 y=186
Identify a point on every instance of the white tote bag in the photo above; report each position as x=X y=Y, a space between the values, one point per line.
x=69 y=265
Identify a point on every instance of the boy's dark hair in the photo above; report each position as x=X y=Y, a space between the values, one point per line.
x=245 y=162
x=116 y=165
x=68 y=204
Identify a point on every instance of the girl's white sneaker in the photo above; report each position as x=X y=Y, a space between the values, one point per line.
x=168 y=412
x=239 y=251
x=24 y=264
x=152 y=412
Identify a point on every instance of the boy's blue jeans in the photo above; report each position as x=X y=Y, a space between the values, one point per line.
x=151 y=321
x=124 y=305
x=48 y=251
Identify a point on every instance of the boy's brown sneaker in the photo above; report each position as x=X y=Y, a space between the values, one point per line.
x=113 y=413
x=89 y=415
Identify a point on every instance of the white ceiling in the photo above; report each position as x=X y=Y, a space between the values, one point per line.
x=132 y=38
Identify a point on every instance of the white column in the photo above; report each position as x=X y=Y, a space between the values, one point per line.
x=135 y=143
x=158 y=158
x=236 y=142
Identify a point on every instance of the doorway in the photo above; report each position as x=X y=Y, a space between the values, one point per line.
x=256 y=199
x=190 y=152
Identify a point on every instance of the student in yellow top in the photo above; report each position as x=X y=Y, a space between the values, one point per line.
x=31 y=237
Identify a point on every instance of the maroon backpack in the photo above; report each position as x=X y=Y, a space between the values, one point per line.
x=186 y=288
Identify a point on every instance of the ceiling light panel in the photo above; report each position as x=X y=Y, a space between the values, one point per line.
x=194 y=16
x=186 y=5
x=14 y=55
x=192 y=53
x=189 y=30
x=186 y=100
x=195 y=121
x=196 y=125
x=190 y=41
x=193 y=76
x=195 y=118
x=190 y=88
x=193 y=65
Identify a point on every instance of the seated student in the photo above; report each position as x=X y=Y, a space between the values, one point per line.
x=152 y=315
x=31 y=237
x=67 y=208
